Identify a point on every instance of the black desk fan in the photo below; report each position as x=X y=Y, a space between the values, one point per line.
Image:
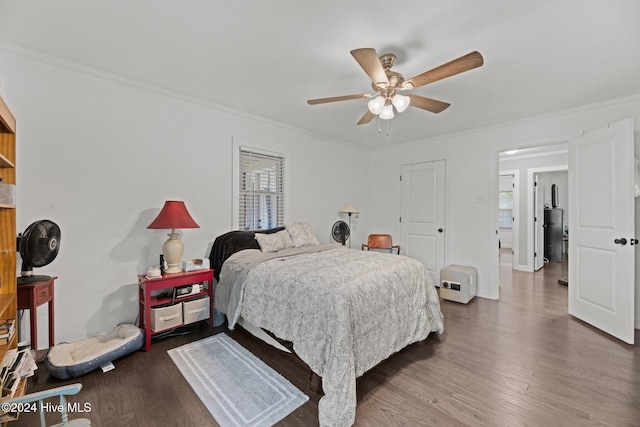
x=38 y=246
x=340 y=232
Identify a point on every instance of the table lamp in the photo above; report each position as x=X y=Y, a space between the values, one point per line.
x=173 y=215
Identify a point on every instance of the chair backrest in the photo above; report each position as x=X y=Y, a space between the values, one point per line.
x=379 y=241
x=62 y=391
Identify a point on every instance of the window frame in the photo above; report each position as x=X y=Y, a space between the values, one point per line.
x=238 y=147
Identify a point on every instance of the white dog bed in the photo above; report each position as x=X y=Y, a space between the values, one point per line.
x=71 y=360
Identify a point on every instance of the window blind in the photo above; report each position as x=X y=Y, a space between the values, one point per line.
x=261 y=195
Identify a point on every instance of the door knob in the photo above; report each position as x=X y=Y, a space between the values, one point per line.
x=440 y=230
x=633 y=242
x=621 y=241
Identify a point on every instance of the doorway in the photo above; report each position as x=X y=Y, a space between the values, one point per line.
x=549 y=163
x=550 y=214
x=546 y=165
x=601 y=201
x=509 y=212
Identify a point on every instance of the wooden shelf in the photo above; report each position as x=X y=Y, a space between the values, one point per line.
x=5 y=163
x=8 y=289
x=13 y=343
x=6 y=301
x=168 y=300
x=6 y=118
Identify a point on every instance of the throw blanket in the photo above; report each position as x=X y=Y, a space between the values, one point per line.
x=344 y=311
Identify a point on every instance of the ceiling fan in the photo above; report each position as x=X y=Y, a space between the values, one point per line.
x=388 y=84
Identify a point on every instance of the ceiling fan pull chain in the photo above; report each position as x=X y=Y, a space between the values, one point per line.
x=388 y=127
x=379 y=127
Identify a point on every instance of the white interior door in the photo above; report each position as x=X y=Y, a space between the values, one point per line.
x=601 y=229
x=423 y=214
x=538 y=223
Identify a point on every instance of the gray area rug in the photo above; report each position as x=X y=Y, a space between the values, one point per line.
x=237 y=388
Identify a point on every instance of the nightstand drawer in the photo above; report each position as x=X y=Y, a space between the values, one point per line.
x=195 y=310
x=43 y=294
x=166 y=317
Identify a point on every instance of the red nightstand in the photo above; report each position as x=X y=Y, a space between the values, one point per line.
x=147 y=286
x=32 y=295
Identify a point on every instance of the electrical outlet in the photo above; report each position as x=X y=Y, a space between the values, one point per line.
x=481 y=198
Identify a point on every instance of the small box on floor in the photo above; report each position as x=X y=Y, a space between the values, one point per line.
x=458 y=283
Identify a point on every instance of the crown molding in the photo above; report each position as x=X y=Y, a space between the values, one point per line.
x=554 y=114
x=126 y=81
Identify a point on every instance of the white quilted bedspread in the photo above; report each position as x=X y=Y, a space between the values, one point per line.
x=344 y=311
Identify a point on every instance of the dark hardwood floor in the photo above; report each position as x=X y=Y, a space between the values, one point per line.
x=519 y=361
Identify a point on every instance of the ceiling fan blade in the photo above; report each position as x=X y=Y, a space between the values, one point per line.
x=428 y=104
x=464 y=63
x=336 y=98
x=368 y=116
x=370 y=63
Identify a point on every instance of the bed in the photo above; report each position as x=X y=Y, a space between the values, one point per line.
x=342 y=310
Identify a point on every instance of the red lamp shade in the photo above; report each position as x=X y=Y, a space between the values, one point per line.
x=174 y=214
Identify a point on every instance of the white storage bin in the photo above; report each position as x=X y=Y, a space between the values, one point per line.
x=195 y=310
x=166 y=317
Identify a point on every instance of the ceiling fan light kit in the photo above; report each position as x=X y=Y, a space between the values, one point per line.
x=387 y=113
x=386 y=83
x=401 y=102
x=376 y=105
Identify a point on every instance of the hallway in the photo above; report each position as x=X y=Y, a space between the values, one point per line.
x=544 y=280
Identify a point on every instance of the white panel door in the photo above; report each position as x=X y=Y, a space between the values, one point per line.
x=602 y=229
x=538 y=223
x=422 y=219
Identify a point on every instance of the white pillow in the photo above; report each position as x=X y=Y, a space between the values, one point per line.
x=275 y=241
x=301 y=234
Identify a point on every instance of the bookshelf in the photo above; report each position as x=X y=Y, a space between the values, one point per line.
x=8 y=287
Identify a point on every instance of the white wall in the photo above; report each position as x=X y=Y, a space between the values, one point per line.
x=472 y=177
x=92 y=155
x=99 y=156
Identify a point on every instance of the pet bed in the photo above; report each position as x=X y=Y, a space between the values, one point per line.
x=71 y=360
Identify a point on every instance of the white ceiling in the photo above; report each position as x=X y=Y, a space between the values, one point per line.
x=266 y=58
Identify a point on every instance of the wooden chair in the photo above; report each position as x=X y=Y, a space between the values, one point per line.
x=381 y=241
x=63 y=391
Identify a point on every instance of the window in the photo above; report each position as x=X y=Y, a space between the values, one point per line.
x=505 y=209
x=261 y=190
